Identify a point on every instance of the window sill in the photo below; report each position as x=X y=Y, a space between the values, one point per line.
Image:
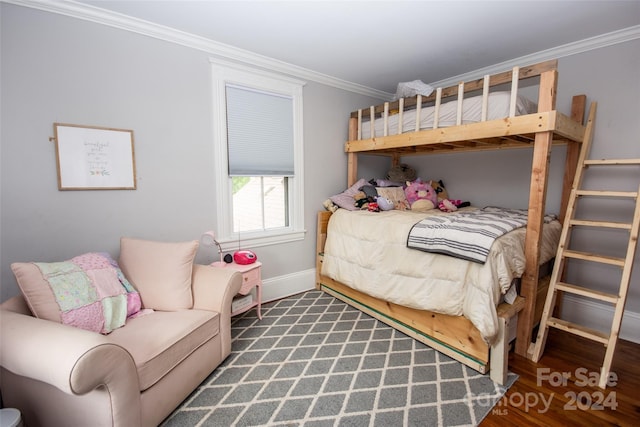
x=255 y=241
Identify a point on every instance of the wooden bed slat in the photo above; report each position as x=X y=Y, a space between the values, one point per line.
x=514 y=91
x=436 y=109
x=485 y=98
x=460 y=100
x=418 y=113
x=400 y=115
x=372 y=123
x=385 y=131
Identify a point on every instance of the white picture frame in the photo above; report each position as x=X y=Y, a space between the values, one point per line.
x=94 y=158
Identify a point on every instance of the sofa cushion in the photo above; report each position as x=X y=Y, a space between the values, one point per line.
x=160 y=271
x=88 y=291
x=159 y=341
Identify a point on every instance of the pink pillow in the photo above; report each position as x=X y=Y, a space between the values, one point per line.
x=36 y=291
x=345 y=199
x=89 y=292
x=160 y=271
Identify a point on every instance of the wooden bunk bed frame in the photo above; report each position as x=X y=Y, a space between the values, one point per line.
x=455 y=335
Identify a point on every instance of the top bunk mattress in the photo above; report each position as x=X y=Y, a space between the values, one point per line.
x=498 y=107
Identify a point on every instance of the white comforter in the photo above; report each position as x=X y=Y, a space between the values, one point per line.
x=367 y=251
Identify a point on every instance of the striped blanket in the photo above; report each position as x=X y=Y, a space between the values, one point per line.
x=468 y=234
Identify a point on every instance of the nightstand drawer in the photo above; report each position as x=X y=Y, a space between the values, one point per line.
x=249 y=280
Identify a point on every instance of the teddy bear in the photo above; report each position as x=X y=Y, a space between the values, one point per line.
x=420 y=195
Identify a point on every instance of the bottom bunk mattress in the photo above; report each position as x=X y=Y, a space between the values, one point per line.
x=368 y=251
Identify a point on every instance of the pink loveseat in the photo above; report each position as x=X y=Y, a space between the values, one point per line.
x=61 y=375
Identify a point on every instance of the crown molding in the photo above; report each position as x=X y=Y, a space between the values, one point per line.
x=220 y=50
x=592 y=43
x=224 y=51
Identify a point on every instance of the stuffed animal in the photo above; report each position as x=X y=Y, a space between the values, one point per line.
x=330 y=206
x=420 y=195
x=384 y=203
x=373 y=207
x=438 y=186
x=361 y=201
x=370 y=191
x=446 y=204
x=401 y=173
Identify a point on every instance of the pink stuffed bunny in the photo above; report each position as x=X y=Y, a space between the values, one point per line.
x=421 y=195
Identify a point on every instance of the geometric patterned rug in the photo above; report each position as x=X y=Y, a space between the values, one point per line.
x=314 y=361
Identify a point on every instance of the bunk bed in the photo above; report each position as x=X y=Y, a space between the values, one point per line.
x=417 y=126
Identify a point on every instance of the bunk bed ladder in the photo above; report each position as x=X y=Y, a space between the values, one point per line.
x=557 y=283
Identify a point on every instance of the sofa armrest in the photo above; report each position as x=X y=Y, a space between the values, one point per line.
x=71 y=359
x=213 y=289
x=16 y=304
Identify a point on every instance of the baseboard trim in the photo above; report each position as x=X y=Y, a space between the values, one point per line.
x=598 y=316
x=290 y=284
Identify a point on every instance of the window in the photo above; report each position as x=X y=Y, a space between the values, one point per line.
x=258 y=156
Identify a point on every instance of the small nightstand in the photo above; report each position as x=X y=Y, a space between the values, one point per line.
x=251 y=278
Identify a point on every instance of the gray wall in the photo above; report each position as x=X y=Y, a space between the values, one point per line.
x=61 y=69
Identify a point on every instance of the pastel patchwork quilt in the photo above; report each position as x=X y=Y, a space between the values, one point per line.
x=91 y=291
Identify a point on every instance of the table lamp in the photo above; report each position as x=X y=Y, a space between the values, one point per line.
x=209 y=239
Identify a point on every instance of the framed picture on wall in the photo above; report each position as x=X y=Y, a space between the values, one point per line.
x=94 y=158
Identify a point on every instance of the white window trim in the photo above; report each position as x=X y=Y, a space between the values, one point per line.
x=224 y=72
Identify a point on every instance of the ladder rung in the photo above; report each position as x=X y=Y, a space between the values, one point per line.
x=603 y=193
x=580 y=330
x=579 y=290
x=605 y=162
x=595 y=258
x=606 y=224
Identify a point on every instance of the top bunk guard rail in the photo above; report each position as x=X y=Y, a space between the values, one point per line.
x=508 y=132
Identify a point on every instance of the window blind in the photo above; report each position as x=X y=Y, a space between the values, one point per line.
x=259 y=133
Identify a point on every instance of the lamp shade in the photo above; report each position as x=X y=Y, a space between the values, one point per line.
x=209 y=239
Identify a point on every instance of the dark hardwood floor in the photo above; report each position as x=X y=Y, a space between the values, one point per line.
x=544 y=396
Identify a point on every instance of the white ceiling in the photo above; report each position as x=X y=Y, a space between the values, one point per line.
x=379 y=43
